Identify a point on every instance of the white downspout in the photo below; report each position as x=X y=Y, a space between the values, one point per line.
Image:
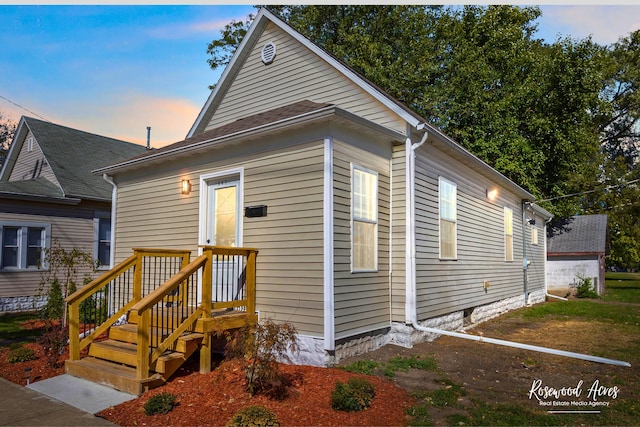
x=523 y=346
x=410 y=225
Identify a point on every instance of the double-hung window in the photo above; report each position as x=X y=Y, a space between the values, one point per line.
x=508 y=234
x=448 y=219
x=534 y=235
x=22 y=245
x=364 y=219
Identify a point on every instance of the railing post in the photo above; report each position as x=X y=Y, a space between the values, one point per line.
x=74 y=331
x=207 y=283
x=251 y=282
x=137 y=277
x=144 y=327
x=183 y=286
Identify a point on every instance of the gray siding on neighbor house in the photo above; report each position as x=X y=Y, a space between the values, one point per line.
x=361 y=299
x=445 y=286
x=151 y=212
x=71 y=227
x=32 y=164
x=296 y=74
x=398 y=239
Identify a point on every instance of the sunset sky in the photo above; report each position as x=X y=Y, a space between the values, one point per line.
x=114 y=70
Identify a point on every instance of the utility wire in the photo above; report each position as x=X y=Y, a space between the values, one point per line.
x=24 y=108
x=609 y=187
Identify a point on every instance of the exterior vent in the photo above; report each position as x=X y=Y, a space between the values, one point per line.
x=268 y=53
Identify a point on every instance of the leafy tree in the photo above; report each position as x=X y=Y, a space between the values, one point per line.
x=7 y=131
x=553 y=117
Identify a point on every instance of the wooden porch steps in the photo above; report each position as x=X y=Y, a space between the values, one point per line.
x=113 y=361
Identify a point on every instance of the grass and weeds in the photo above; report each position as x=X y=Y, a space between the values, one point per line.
x=622 y=287
x=12 y=328
x=391 y=366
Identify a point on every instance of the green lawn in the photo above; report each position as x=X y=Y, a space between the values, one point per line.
x=11 y=330
x=622 y=287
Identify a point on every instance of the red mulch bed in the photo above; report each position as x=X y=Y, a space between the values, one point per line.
x=212 y=399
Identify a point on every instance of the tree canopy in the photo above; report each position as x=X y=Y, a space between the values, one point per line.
x=558 y=118
x=7 y=131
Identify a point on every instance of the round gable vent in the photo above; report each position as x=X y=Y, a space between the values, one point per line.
x=268 y=53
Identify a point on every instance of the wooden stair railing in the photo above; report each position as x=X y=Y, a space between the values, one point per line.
x=166 y=324
x=116 y=292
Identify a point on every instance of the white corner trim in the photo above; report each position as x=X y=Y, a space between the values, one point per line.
x=114 y=201
x=410 y=257
x=328 y=276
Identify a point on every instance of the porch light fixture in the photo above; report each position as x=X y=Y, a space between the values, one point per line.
x=492 y=194
x=185 y=187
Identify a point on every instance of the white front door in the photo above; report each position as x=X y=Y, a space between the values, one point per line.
x=223 y=228
x=223 y=213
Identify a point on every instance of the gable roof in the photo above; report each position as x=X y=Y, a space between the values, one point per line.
x=583 y=234
x=261 y=20
x=71 y=154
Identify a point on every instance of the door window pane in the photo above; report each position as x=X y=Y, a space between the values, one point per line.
x=225 y=216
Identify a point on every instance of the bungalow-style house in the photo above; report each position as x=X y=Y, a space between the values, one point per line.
x=577 y=249
x=48 y=194
x=304 y=193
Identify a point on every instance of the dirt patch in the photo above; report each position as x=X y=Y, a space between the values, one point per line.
x=503 y=375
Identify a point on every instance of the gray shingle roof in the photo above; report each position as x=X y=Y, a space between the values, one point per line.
x=580 y=234
x=72 y=154
x=242 y=124
x=40 y=187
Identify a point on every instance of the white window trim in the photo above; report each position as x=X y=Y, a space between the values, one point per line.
x=455 y=225
x=23 y=244
x=504 y=220
x=96 y=237
x=375 y=221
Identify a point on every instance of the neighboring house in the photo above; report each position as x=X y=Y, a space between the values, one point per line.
x=367 y=219
x=48 y=194
x=577 y=249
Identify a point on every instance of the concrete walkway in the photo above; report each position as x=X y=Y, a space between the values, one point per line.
x=60 y=401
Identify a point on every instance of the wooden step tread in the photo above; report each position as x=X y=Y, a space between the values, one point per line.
x=112 y=368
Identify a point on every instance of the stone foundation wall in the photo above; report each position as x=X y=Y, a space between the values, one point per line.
x=21 y=304
x=312 y=349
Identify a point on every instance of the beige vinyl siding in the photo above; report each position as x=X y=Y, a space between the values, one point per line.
x=153 y=213
x=31 y=164
x=444 y=286
x=69 y=231
x=296 y=74
x=399 y=248
x=361 y=300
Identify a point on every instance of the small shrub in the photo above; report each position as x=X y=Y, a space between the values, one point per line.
x=54 y=308
x=585 y=288
x=355 y=395
x=262 y=345
x=54 y=342
x=161 y=403
x=21 y=354
x=254 y=416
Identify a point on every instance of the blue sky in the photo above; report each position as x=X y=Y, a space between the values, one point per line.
x=114 y=70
